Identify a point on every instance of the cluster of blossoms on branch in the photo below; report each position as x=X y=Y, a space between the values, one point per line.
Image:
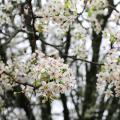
x=45 y=75
x=109 y=76
x=59 y=13
x=8 y=10
x=95 y=10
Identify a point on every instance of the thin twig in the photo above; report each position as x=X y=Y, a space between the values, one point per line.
x=83 y=60
x=19 y=82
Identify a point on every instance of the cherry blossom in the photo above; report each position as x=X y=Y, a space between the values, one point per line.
x=46 y=75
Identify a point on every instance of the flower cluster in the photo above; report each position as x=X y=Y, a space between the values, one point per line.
x=96 y=9
x=46 y=75
x=5 y=13
x=59 y=13
x=110 y=73
x=6 y=9
x=78 y=41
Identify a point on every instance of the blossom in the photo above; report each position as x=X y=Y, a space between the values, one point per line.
x=57 y=13
x=95 y=9
x=110 y=72
x=48 y=76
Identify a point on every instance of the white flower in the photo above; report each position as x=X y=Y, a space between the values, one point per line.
x=56 y=13
x=110 y=72
x=51 y=75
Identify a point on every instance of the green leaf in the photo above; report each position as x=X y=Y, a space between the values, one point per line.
x=102 y=68
x=36 y=83
x=113 y=39
x=90 y=11
x=61 y=82
x=40 y=28
x=67 y=4
x=63 y=70
x=45 y=76
x=118 y=60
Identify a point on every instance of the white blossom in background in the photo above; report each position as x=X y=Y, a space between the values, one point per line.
x=110 y=73
x=78 y=41
x=48 y=75
x=94 y=9
x=6 y=10
x=60 y=13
